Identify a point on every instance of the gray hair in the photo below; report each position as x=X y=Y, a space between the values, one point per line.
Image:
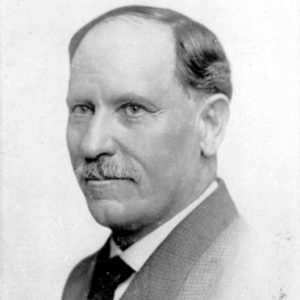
x=201 y=60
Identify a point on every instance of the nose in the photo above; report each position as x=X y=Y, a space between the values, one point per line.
x=99 y=137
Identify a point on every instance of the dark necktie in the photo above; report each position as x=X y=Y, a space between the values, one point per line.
x=108 y=274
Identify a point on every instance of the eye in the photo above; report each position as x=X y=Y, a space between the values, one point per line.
x=82 y=109
x=133 y=110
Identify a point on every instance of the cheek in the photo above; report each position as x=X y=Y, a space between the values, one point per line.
x=73 y=142
x=165 y=148
x=175 y=138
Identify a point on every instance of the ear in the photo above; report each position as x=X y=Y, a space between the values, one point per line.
x=213 y=119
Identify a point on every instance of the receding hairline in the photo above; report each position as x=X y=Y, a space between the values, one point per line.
x=138 y=22
x=200 y=59
x=131 y=12
x=140 y=31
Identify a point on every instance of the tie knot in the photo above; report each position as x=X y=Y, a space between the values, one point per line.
x=107 y=276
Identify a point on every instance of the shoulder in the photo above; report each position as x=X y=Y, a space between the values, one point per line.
x=233 y=267
x=77 y=284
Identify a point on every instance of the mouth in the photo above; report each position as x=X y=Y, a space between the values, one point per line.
x=106 y=179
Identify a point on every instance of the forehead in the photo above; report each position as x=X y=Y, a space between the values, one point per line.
x=126 y=45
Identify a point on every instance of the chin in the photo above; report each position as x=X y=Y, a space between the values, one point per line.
x=112 y=214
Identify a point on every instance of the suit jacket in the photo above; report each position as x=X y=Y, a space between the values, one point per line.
x=207 y=256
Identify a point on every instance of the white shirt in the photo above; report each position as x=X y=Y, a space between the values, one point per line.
x=138 y=253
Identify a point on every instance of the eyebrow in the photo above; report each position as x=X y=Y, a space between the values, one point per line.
x=72 y=101
x=119 y=100
x=133 y=97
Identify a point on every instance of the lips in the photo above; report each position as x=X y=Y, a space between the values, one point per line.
x=106 y=178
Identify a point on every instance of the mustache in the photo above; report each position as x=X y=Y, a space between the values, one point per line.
x=102 y=169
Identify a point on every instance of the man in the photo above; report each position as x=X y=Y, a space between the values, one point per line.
x=148 y=103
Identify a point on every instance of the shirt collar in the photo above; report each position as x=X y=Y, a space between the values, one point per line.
x=138 y=253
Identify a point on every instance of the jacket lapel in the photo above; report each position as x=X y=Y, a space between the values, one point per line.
x=79 y=282
x=166 y=270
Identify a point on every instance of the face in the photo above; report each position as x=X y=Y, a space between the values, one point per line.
x=129 y=116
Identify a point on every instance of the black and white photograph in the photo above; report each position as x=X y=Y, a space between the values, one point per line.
x=150 y=150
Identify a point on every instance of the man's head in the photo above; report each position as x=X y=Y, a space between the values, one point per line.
x=148 y=102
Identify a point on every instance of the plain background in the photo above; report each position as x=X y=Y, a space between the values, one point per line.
x=45 y=225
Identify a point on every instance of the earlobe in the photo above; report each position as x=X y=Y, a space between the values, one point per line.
x=212 y=123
